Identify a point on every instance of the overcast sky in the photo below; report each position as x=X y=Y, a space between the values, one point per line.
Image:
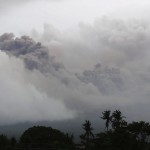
x=94 y=55
x=23 y=15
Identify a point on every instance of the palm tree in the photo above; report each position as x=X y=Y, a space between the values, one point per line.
x=107 y=116
x=117 y=120
x=88 y=136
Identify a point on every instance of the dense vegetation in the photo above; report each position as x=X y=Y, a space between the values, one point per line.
x=118 y=135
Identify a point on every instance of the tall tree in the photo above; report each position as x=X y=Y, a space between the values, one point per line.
x=140 y=130
x=118 y=120
x=88 y=136
x=107 y=116
x=46 y=137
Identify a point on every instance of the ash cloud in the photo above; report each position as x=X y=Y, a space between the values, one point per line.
x=34 y=54
x=108 y=80
x=21 y=100
x=100 y=66
x=118 y=49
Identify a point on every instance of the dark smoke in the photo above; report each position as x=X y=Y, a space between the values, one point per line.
x=33 y=53
x=107 y=79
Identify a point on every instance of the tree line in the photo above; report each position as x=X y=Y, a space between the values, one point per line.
x=118 y=135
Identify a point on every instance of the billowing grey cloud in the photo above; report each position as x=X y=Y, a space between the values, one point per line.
x=21 y=100
x=108 y=80
x=118 y=49
x=34 y=54
x=104 y=65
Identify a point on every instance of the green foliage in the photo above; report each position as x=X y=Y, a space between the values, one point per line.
x=123 y=136
x=118 y=120
x=119 y=135
x=140 y=130
x=88 y=136
x=6 y=143
x=13 y=142
x=45 y=137
x=107 y=116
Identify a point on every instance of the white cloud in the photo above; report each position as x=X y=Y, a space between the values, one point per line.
x=65 y=14
x=119 y=43
x=20 y=100
x=122 y=49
